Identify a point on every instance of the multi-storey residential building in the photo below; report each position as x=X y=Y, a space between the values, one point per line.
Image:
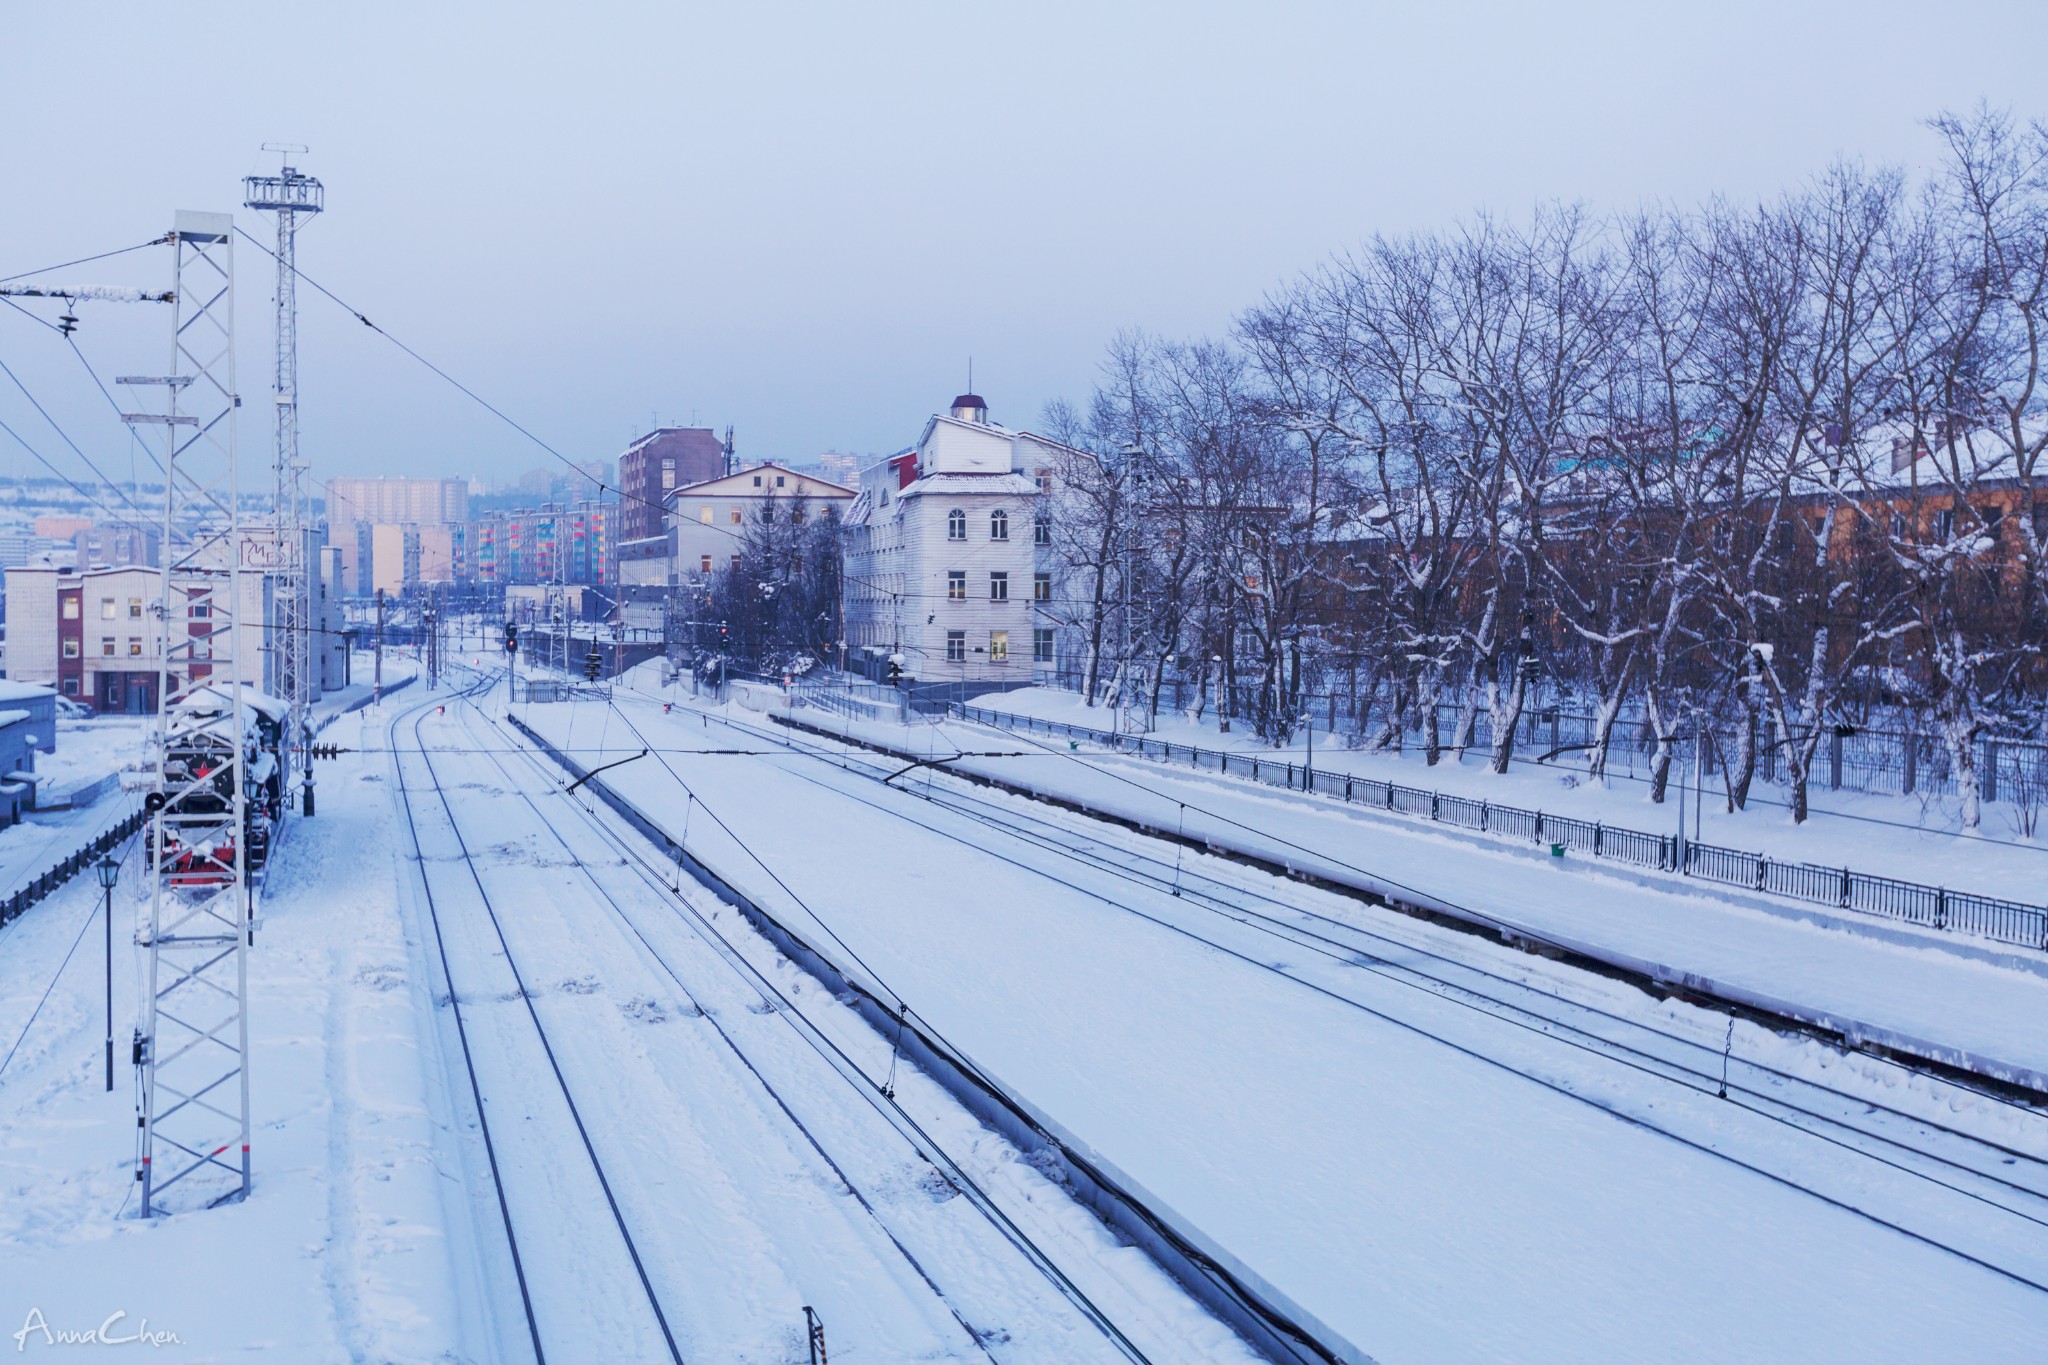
x=707 y=521
x=657 y=464
x=101 y=544
x=95 y=634
x=943 y=555
x=404 y=557
x=551 y=544
x=356 y=504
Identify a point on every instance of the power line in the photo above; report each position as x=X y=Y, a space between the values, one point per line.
x=87 y=459
x=83 y=260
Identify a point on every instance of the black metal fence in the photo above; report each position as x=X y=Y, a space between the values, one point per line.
x=1876 y=759
x=1932 y=906
x=41 y=885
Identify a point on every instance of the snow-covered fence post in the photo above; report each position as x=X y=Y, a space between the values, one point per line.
x=1844 y=902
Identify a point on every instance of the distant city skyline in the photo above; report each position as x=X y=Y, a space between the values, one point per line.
x=809 y=237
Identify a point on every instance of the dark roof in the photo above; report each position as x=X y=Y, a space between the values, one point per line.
x=971 y=400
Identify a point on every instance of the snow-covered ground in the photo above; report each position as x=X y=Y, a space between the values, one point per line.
x=345 y=1251
x=1369 y=1154
x=1891 y=836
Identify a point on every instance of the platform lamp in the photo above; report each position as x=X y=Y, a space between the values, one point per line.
x=109 y=872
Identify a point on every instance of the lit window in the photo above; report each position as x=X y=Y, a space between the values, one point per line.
x=705 y=566
x=998 y=646
x=1041 y=645
x=107 y=649
x=736 y=512
x=735 y=563
x=956 y=585
x=106 y=609
x=134 y=648
x=999 y=525
x=704 y=514
x=956 y=646
x=71 y=649
x=1041 y=587
x=134 y=608
x=1045 y=481
x=1041 y=529
x=956 y=525
x=998 y=587
x=71 y=609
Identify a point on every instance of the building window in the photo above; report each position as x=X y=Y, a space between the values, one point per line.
x=778 y=481
x=1898 y=526
x=757 y=481
x=107 y=648
x=71 y=687
x=998 y=646
x=134 y=648
x=1041 y=587
x=113 y=692
x=735 y=563
x=106 y=609
x=956 y=646
x=1045 y=481
x=1041 y=645
x=999 y=525
x=736 y=512
x=201 y=611
x=704 y=514
x=668 y=475
x=999 y=587
x=135 y=609
x=796 y=514
x=956 y=585
x=1945 y=524
x=705 y=565
x=956 y=525
x=71 y=649
x=1041 y=529
x=71 y=608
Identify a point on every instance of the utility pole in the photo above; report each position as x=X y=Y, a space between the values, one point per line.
x=377 y=676
x=194 y=1043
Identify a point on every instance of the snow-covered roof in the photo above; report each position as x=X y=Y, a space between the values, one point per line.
x=21 y=691
x=970 y=483
x=8 y=718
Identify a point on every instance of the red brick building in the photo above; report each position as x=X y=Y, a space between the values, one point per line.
x=665 y=459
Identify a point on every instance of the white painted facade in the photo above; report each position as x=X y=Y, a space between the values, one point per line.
x=941 y=561
x=707 y=521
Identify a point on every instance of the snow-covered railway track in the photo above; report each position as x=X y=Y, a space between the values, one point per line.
x=1978 y=1192
x=493 y=1052
x=725 y=1140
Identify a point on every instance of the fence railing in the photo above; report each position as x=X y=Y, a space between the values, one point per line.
x=1844 y=888
x=36 y=888
x=1875 y=759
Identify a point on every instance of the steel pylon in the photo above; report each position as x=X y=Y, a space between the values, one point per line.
x=194 y=1043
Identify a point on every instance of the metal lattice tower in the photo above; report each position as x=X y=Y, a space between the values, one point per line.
x=195 y=1041
x=291 y=196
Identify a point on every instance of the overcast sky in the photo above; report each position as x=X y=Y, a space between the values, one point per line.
x=802 y=220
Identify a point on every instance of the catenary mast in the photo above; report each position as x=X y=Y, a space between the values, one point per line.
x=291 y=196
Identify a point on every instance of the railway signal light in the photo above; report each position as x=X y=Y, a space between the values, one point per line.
x=511 y=638
x=592 y=663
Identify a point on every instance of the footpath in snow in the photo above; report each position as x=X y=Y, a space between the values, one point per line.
x=1418 y=1200
x=344 y=1250
x=1911 y=838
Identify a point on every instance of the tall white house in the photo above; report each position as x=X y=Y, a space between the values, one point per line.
x=946 y=561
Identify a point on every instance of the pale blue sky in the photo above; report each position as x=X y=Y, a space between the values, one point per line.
x=801 y=220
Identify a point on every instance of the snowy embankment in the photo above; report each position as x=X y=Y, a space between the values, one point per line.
x=1905 y=837
x=343 y=1250
x=1862 y=976
x=1417 y=1199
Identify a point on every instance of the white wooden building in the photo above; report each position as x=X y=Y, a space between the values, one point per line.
x=707 y=522
x=946 y=570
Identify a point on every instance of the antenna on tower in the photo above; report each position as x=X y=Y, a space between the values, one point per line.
x=290 y=665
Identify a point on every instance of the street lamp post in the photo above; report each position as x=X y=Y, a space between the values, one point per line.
x=109 y=873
